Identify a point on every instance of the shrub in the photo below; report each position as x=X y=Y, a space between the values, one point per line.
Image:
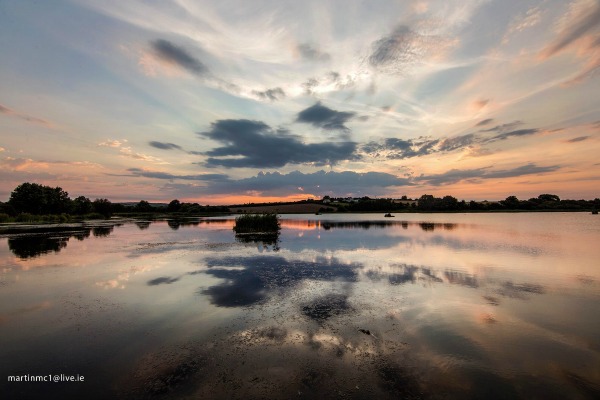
x=253 y=223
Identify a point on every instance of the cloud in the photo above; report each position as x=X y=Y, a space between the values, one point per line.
x=270 y=94
x=112 y=143
x=457 y=142
x=583 y=18
x=163 y=280
x=478 y=174
x=339 y=183
x=504 y=127
x=397 y=149
x=478 y=105
x=165 y=146
x=342 y=183
x=25 y=117
x=403 y=48
x=485 y=122
x=170 y=53
x=323 y=117
x=165 y=175
x=311 y=53
x=531 y=18
x=519 y=132
x=577 y=139
x=254 y=144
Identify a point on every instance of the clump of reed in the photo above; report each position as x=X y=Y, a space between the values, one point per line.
x=257 y=223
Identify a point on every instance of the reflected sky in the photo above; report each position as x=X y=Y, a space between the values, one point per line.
x=476 y=305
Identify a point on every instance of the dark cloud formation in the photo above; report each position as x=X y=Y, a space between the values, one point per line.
x=457 y=175
x=578 y=139
x=323 y=117
x=253 y=144
x=270 y=94
x=163 y=280
x=518 y=132
x=164 y=175
x=164 y=146
x=587 y=22
x=347 y=183
x=171 y=53
x=311 y=53
x=318 y=182
x=484 y=122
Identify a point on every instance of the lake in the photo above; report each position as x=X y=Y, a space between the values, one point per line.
x=495 y=306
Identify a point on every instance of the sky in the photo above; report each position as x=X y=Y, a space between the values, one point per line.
x=223 y=102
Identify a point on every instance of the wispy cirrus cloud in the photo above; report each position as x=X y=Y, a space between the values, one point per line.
x=25 y=117
x=173 y=54
x=310 y=52
x=479 y=175
x=169 y=176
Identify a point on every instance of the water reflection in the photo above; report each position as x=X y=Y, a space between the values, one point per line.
x=252 y=280
x=32 y=246
x=268 y=241
x=40 y=240
x=340 y=308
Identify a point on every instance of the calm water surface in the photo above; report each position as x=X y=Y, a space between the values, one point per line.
x=339 y=306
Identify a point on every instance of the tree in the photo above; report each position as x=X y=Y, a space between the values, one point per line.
x=511 y=202
x=102 y=206
x=549 y=197
x=174 y=206
x=82 y=205
x=39 y=199
x=143 y=206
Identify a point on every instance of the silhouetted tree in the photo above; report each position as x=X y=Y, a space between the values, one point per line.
x=174 y=206
x=82 y=205
x=143 y=206
x=102 y=206
x=39 y=199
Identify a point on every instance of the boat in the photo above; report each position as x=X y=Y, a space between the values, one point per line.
x=388 y=215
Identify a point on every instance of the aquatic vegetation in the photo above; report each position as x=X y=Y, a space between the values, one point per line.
x=257 y=223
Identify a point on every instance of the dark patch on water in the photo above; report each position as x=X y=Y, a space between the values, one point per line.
x=32 y=246
x=462 y=279
x=323 y=308
x=259 y=277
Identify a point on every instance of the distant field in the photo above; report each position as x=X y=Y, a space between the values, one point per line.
x=286 y=209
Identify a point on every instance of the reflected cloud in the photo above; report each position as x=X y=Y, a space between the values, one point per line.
x=520 y=290
x=258 y=278
x=461 y=278
x=323 y=308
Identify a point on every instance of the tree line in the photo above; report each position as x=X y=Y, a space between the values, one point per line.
x=36 y=199
x=427 y=202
